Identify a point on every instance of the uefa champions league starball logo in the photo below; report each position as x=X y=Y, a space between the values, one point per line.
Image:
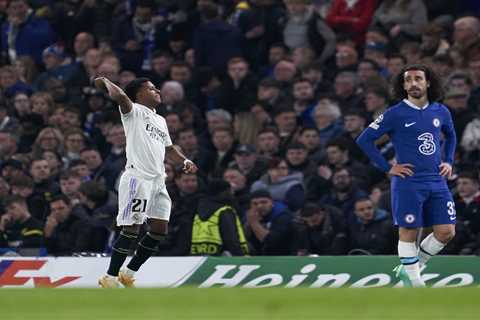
x=376 y=124
x=436 y=122
x=409 y=218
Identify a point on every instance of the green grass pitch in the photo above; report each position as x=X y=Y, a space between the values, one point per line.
x=235 y=303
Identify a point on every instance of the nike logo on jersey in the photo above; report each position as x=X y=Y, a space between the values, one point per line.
x=409 y=124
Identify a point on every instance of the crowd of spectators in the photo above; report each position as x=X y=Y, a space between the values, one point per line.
x=267 y=95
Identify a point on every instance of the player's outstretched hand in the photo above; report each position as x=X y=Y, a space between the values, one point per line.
x=100 y=83
x=189 y=167
x=401 y=170
x=445 y=169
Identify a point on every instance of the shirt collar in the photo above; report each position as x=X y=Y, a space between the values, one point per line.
x=147 y=108
x=414 y=106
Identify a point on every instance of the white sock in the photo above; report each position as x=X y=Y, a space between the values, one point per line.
x=407 y=251
x=429 y=247
x=129 y=272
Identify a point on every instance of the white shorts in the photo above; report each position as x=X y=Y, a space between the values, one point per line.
x=139 y=199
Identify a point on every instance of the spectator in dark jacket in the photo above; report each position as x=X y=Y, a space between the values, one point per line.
x=186 y=190
x=269 y=227
x=343 y=194
x=372 y=232
x=248 y=163
x=44 y=186
x=23 y=186
x=135 y=37
x=24 y=33
x=65 y=233
x=17 y=226
x=339 y=156
x=98 y=208
x=321 y=230
x=194 y=149
x=298 y=160
x=240 y=189
x=237 y=92
x=354 y=122
x=179 y=237
x=71 y=18
x=285 y=120
x=210 y=34
x=185 y=193
x=224 y=144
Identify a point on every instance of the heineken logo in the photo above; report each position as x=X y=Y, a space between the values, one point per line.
x=353 y=272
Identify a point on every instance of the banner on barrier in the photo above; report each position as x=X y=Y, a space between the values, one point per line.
x=346 y=271
x=251 y=272
x=85 y=272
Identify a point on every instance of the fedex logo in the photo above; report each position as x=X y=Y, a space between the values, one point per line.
x=10 y=268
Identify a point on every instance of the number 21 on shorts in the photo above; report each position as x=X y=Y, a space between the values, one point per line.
x=139 y=205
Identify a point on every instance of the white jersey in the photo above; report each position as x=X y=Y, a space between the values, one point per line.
x=147 y=136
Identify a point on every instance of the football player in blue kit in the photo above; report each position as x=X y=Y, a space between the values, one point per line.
x=423 y=136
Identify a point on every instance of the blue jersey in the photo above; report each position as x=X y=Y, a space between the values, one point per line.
x=416 y=134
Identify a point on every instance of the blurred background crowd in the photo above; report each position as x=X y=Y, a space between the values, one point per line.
x=267 y=97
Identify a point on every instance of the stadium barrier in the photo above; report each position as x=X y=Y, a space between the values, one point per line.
x=251 y=272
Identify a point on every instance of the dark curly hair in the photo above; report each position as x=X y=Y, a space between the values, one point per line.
x=133 y=87
x=434 y=91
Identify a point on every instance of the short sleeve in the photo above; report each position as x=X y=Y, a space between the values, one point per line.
x=134 y=113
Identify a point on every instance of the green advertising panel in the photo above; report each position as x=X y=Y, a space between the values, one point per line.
x=315 y=272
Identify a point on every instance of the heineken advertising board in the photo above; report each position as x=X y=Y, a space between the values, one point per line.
x=350 y=271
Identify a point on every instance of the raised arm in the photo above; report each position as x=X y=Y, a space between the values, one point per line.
x=116 y=93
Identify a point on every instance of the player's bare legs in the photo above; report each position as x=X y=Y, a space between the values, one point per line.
x=147 y=246
x=435 y=241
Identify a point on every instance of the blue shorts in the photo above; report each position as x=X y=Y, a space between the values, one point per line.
x=416 y=208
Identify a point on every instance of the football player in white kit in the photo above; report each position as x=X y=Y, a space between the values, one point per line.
x=142 y=194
